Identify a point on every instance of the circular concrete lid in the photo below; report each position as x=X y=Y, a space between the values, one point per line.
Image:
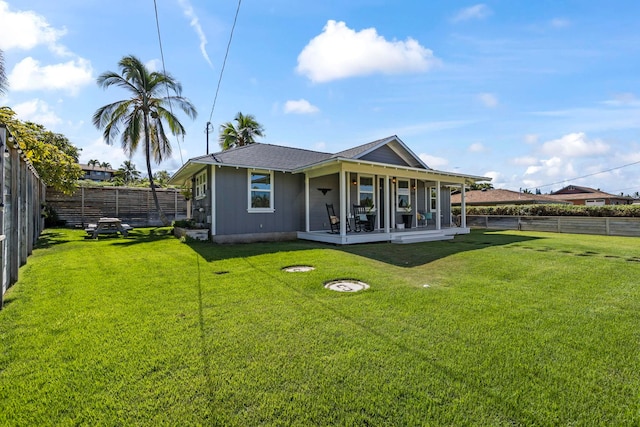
x=346 y=285
x=298 y=269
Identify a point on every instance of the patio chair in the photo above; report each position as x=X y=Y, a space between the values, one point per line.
x=334 y=220
x=424 y=217
x=360 y=220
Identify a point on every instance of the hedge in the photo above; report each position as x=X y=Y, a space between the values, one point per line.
x=553 y=210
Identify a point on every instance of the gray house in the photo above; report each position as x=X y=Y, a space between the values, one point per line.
x=270 y=192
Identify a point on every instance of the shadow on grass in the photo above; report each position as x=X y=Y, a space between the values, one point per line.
x=410 y=255
x=135 y=237
x=51 y=237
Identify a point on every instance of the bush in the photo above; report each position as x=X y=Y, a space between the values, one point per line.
x=553 y=210
x=184 y=223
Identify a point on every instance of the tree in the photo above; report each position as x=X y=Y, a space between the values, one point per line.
x=105 y=165
x=243 y=133
x=128 y=172
x=481 y=186
x=3 y=76
x=144 y=115
x=93 y=163
x=161 y=177
x=52 y=154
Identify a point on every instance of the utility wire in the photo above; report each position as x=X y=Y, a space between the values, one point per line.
x=224 y=62
x=164 y=70
x=585 y=176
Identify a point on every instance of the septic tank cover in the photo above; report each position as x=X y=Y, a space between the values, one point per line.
x=346 y=285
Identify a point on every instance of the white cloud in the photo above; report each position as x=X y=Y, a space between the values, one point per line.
x=477 y=147
x=153 y=65
x=488 y=100
x=531 y=138
x=559 y=23
x=25 y=30
x=620 y=99
x=37 y=111
x=575 y=145
x=98 y=149
x=433 y=162
x=494 y=175
x=478 y=11
x=29 y=75
x=340 y=52
x=301 y=106
x=188 y=11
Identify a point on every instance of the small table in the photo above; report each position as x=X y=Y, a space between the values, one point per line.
x=107 y=226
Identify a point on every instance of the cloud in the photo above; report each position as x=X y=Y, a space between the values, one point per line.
x=433 y=162
x=478 y=11
x=301 y=106
x=525 y=161
x=477 y=147
x=559 y=23
x=36 y=111
x=494 y=175
x=488 y=99
x=621 y=99
x=575 y=145
x=340 y=52
x=154 y=65
x=188 y=11
x=25 y=30
x=531 y=138
x=29 y=75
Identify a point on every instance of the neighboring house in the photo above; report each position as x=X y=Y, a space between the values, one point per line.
x=268 y=192
x=495 y=197
x=97 y=173
x=589 y=196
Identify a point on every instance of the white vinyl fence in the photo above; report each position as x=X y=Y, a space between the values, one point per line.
x=21 y=197
x=608 y=226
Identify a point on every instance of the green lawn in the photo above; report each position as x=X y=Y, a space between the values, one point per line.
x=513 y=329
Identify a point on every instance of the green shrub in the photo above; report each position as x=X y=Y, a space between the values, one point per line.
x=553 y=210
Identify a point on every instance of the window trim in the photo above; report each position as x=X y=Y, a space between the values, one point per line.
x=372 y=192
x=200 y=186
x=402 y=192
x=271 y=208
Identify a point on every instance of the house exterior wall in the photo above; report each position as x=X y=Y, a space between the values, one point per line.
x=385 y=154
x=318 y=218
x=231 y=204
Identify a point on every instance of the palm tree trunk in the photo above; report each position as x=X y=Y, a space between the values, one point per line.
x=147 y=149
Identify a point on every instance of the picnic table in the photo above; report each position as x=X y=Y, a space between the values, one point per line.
x=108 y=226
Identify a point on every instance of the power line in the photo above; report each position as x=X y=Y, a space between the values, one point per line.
x=585 y=176
x=164 y=70
x=224 y=62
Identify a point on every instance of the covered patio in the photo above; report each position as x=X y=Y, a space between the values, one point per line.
x=405 y=204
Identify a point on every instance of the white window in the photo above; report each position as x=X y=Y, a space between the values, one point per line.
x=260 y=191
x=594 y=202
x=366 y=191
x=201 y=185
x=432 y=198
x=403 y=197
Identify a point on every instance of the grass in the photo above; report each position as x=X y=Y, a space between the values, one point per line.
x=514 y=328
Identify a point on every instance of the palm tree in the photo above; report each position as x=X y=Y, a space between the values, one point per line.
x=128 y=172
x=144 y=115
x=243 y=133
x=93 y=163
x=105 y=165
x=3 y=75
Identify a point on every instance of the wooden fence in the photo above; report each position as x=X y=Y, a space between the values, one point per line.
x=21 y=196
x=134 y=206
x=608 y=226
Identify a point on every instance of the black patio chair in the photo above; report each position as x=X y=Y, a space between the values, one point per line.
x=361 y=222
x=334 y=220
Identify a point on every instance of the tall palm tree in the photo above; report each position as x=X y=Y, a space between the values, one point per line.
x=144 y=115
x=105 y=165
x=93 y=163
x=243 y=133
x=3 y=75
x=128 y=172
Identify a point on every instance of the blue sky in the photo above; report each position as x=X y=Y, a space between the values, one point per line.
x=533 y=94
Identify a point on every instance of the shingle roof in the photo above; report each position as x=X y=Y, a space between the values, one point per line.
x=259 y=155
x=502 y=197
x=354 y=152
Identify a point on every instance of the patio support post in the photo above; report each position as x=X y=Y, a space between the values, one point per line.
x=212 y=187
x=343 y=203
x=306 y=202
x=438 y=207
x=463 y=208
x=387 y=204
